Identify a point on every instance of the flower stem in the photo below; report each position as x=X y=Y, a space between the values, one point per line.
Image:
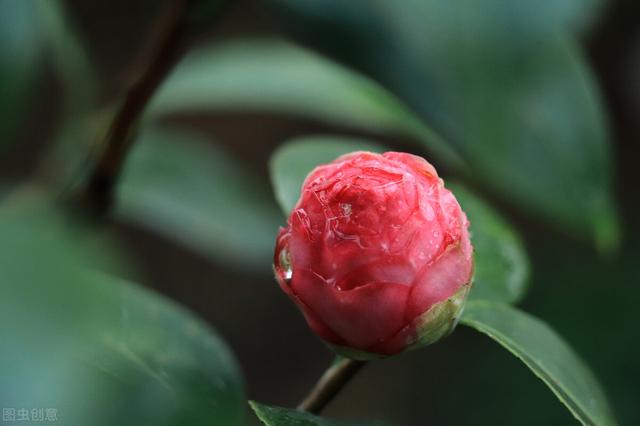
x=331 y=382
x=170 y=46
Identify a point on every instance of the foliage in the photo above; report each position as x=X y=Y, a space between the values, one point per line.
x=495 y=94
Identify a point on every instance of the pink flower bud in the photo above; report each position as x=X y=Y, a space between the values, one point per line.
x=376 y=254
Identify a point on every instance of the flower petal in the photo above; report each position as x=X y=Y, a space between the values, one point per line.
x=362 y=316
x=441 y=279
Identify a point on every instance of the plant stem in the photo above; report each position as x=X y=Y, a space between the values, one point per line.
x=171 y=46
x=331 y=382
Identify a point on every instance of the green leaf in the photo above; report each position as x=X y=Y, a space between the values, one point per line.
x=68 y=56
x=65 y=163
x=277 y=416
x=546 y=354
x=180 y=185
x=500 y=80
x=292 y=162
x=273 y=75
x=501 y=266
x=96 y=349
x=34 y=33
x=20 y=51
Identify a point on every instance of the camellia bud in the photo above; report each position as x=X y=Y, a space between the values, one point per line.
x=376 y=254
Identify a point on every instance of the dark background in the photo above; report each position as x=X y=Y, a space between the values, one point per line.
x=592 y=300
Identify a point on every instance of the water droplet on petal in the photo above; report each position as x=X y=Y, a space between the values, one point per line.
x=284 y=260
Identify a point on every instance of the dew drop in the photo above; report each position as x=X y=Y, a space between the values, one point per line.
x=284 y=259
x=346 y=209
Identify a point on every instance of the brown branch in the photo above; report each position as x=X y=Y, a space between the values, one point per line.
x=328 y=386
x=171 y=46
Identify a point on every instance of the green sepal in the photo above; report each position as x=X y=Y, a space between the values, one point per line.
x=440 y=320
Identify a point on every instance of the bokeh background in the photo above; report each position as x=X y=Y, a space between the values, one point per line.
x=589 y=296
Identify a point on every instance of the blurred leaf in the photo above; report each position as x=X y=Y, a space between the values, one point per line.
x=276 y=416
x=546 y=354
x=79 y=126
x=180 y=185
x=33 y=32
x=98 y=350
x=68 y=55
x=501 y=266
x=273 y=75
x=499 y=81
x=292 y=162
x=20 y=50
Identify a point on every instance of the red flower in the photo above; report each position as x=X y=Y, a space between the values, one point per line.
x=376 y=254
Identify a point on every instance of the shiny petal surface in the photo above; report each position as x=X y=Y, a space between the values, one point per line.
x=374 y=241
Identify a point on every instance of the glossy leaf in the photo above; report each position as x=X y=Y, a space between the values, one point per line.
x=98 y=350
x=276 y=76
x=292 y=162
x=277 y=416
x=182 y=186
x=547 y=355
x=500 y=80
x=501 y=266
